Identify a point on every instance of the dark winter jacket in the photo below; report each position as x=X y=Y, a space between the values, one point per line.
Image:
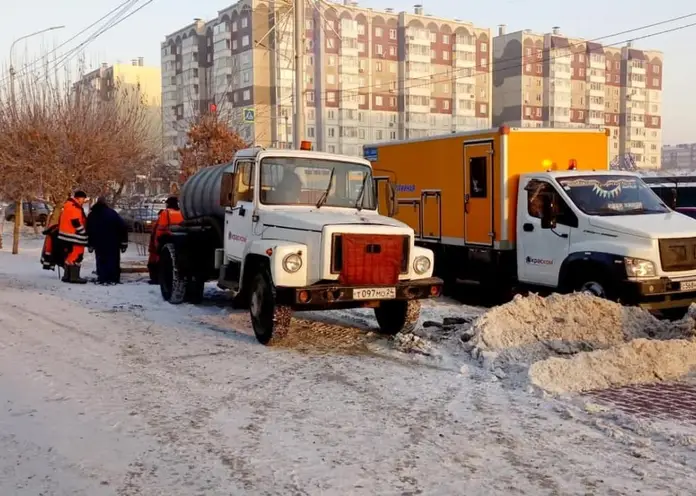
x=106 y=230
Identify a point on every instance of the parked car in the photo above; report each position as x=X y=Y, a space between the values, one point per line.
x=36 y=211
x=140 y=219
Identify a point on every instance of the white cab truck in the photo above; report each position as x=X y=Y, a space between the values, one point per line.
x=607 y=233
x=290 y=230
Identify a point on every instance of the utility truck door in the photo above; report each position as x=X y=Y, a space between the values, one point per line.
x=544 y=225
x=238 y=210
x=478 y=193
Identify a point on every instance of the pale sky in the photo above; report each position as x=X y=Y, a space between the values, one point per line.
x=140 y=35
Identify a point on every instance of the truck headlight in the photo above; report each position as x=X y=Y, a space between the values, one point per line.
x=637 y=267
x=292 y=263
x=421 y=265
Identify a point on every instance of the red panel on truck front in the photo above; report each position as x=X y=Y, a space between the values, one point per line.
x=371 y=259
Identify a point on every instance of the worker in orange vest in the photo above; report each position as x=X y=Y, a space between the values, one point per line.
x=72 y=233
x=168 y=217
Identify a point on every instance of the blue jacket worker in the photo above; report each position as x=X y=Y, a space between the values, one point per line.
x=107 y=237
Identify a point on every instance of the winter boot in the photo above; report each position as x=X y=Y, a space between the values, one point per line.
x=66 y=273
x=74 y=275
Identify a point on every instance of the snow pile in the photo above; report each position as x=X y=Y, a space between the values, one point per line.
x=579 y=342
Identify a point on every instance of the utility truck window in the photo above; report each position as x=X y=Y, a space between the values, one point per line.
x=315 y=182
x=478 y=182
x=245 y=185
x=612 y=195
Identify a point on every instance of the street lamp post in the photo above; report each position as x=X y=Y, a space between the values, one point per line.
x=12 y=70
x=19 y=210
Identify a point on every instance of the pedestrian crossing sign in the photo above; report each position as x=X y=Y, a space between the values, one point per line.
x=249 y=115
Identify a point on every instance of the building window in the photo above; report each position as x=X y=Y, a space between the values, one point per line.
x=234 y=27
x=392 y=34
x=445 y=39
x=331 y=96
x=247 y=95
x=433 y=37
x=378 y=67
x=310 y=132
x=379 y=50
x=361 y=29
x=332 y=132
x=234 y=44
x=310 y=97
x=331 y=60
x=245 y=40
x=379 y=101
x=484 y=47
x=378 y=32
x=330 y=79
x=392 y=135
x=392 y=50
x=245 y=22
x=362 y=99
x=330 y=43
x=483 y=108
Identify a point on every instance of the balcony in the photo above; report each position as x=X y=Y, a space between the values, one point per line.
x=464 y=62
x=417 y=88
x=464 y=48
x=414 y=56
x=418 y=109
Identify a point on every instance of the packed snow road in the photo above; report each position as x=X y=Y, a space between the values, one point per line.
x=110 y=391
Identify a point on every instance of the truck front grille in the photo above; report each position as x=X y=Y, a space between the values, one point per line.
x=678 y=254
x=369 y=258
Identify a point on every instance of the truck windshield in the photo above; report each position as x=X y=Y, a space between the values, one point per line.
x=606 y=195
x=305 y=181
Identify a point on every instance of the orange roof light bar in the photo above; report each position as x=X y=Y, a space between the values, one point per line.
x=305 y=145
x=572 y=164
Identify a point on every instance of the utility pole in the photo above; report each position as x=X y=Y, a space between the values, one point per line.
x=299 y=26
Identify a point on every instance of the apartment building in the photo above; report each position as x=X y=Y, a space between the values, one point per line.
x=368 y=76
x=682 y=156
x=552 y=80
x=133 y=76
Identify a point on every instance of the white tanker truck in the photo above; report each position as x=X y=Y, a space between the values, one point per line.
x=295 y=230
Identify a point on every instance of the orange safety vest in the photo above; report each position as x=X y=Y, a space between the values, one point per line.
x=72 y=224
x=167 y=218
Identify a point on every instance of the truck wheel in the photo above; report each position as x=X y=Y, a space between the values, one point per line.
x=397 y=316
x=172 y=285
x=195 y=287
x=594 y=284
x=270 y=321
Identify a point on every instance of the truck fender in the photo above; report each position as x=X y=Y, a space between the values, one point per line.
x=608 y=264
x=273 y=252
x=419 y=251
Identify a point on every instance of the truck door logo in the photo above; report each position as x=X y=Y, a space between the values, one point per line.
x=538 y=261
x=236 y=237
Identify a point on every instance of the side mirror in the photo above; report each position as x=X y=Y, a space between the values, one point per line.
x=393 y=203
x=548 y=214
x=228 y=187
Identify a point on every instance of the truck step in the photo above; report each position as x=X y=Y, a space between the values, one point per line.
x=471 y=282
x=229 y=285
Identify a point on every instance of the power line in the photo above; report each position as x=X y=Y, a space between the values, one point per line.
x=110 y=24
x=46 y=55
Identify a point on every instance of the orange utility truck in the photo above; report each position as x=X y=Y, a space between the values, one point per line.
x=540 y=207
x=460 y=191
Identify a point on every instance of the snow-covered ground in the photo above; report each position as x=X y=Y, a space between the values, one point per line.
x=109 y=390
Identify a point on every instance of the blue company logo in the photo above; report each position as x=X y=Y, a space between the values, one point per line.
x=405 y=188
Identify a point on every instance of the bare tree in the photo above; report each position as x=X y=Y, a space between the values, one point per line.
x=56 y=137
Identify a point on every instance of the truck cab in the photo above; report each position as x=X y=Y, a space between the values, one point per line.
x=607 y=233
x=301 y=231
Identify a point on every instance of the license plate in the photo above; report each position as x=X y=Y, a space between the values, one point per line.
x=374 y=293
x=688 y=286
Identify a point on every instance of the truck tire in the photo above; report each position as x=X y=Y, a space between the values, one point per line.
x=397 y=316
x=195 y=288
x=593 y=282
x=172 y=284
x=270 y=321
